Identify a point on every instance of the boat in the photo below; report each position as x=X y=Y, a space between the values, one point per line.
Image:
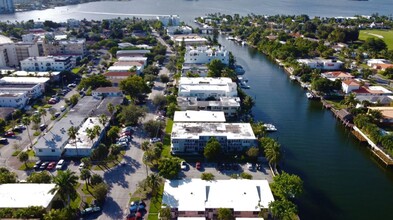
x=242 y=79
x=292 y=77
x=239 y=70
x=270 y=127
x=243 y=85
x=244 y=43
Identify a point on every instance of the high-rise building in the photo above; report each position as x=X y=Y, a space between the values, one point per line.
x=7 y=6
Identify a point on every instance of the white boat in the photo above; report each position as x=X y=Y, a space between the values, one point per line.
x=292 y=77
x=270 y=127
x=242 y=79
x=309 y=95
x=244 y=43
x=243 y=85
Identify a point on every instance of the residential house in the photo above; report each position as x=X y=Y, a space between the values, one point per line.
x=116 y=77
x=205 y=88
x=350 y=85
x=189 y=40
x=322 y=64
x=337 y=75
x=49 y=63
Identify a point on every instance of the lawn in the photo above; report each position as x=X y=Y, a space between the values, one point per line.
x=385 y=35
x=336 y=104
x=76 y=70
x=29 y=164
x=155 y=204
x=110 y=163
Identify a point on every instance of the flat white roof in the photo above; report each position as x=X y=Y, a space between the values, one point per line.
x=197 y=194
x=205 y=80
x=379 y=88
x=5 y=40
x=132 y=59
x=233 y=131
x=24 y=80
x=23 y=195
x=34 y=74
x=83 y=141
x=198 y=116
x=191 y=218
x=122 y=68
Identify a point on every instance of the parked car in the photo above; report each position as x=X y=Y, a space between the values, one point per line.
x=90 y=210
x=122 y=144
x=127 y=133
x=51 y=165
x=19 y=128
x=60 y=164
x=3 y=141
x=123 y=139
x=71 y=85
x=44 y=165
x=155 y=140
x=37 y=164
x=183 y=165
x=52 y=101
x=198 y=165
x=81 y=165
x=9 y=134
x=42 y=127
x=62 y=108
x=250 y=166
x=57 y=114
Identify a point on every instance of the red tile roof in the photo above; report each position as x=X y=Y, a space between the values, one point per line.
x=351 y=82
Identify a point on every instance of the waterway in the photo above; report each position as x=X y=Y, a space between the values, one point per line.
x=189 y=9
x=342 y=179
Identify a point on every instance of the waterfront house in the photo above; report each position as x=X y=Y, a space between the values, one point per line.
x=372 y=91
x=387 y=113
x=196 y=198
x=229 y=105
x=372 y=62
x=350 y=85
x=322 y=64
x=205 y=88
x=377 y=100
x=189 y=39
x=196 y=69
x=337 y=75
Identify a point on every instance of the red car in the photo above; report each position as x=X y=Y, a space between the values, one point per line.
x=51 y=165
x=9 y=134
x=198 y=165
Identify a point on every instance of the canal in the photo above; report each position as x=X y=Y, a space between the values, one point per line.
x=342 y=180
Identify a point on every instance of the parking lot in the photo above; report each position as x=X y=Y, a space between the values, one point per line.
x=225 y=173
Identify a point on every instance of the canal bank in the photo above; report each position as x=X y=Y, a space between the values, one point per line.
x=342 y=178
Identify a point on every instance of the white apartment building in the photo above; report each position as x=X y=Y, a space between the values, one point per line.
x=14 y=100
x=33 y=86
x=197 y=199
x=83 y=145
x=229 y=105
x=191 y=138
x=178 y=30
x=207 y=87
x=71 y=47
x=197 y=69
x=189 y=40
x=7 y=52
x=205 y=54
x=25 y=50
x=323 y=64
x=53 y=76
x=142 y=60
x=49 y=63
x=169 y=20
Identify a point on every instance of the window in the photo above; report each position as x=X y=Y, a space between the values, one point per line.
x=39 y=150
x=53 y=150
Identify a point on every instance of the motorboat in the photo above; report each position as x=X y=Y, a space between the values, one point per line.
x=270 y=127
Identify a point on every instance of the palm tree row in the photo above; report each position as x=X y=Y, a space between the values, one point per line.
x=272 y=151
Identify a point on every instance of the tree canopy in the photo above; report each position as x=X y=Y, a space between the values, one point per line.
x=134 y=86
x=212 y=149
x=287 y=186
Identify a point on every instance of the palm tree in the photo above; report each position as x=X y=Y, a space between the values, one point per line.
x=154 y=181
x=42 y=112
x=36 y=118
x=273 y=153
x=26 y=122
x=85 y=175
x=97 y=130
x=103 y=119
x=72 y=133
x=90 y=134
x=65 y=185
x=23 y=157
x=110 y=108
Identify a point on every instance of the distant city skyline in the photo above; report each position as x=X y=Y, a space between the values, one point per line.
x=7 y=6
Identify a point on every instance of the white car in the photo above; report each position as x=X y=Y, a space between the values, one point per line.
x=183 y=165
x=81 y=165
x=60 y=164
x=62 y=108
x=155 y=140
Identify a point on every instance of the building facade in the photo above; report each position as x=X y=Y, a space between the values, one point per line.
x=205 y=54
x=25 y=50
x=207 y=88
x=72 y=47
x=322 y=64
x=229 y=105
x=14 y=100
x=49 y=63
x=191 y=138
x=7 y=52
